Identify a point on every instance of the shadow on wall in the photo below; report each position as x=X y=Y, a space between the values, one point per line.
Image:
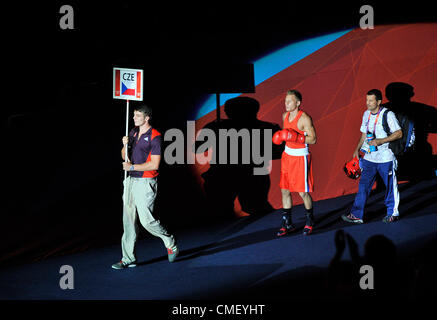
x=224 y=182
x=419 y=163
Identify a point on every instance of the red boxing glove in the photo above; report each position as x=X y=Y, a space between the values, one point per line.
x=277 y=137
x=292 y=136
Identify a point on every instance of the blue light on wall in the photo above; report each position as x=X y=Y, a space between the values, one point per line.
x=273 y=63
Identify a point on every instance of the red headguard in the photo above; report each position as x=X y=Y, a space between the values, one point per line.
x=352 y=168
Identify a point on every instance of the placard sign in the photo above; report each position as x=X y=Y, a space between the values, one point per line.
x=128 y=84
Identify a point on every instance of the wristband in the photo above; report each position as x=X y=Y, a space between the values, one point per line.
x=131 y=168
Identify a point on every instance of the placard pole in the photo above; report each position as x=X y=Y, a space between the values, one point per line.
x=127 y=134
x=126 y=153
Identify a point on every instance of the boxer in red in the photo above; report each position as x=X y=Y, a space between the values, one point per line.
x=296 y=168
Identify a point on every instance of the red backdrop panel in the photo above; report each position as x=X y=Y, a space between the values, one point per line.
x=334 y=81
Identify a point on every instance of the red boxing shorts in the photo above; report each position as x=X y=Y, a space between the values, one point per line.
x=296 y=173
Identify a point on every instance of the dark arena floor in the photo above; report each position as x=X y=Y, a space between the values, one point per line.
x=244 y=259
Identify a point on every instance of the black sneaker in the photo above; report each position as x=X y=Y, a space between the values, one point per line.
x=287 y=226
x=285 y=229
x=309 y=224
x=307 y=230
x=351 y=218
x=389 y=219
x=123 y=265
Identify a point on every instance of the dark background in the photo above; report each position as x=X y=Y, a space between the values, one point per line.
x=62 y=129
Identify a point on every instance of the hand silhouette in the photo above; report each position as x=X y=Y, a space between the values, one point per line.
x=353 y=249
x=340 y=242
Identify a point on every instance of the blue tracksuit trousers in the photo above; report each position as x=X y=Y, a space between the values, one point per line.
x=368 y=176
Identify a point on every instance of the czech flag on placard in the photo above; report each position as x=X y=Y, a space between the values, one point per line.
x=128 y=88
x=128 y=84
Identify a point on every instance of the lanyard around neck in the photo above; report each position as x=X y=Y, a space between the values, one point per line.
x=376 y=120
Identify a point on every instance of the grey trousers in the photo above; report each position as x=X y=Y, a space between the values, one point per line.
x=139 y=199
